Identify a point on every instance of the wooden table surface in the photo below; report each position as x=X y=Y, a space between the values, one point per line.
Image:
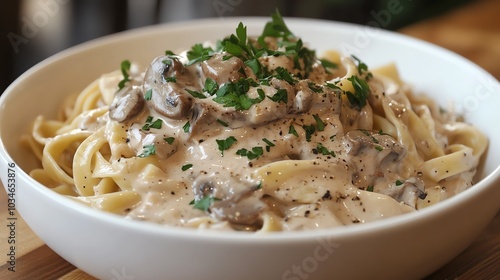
x=472 y=31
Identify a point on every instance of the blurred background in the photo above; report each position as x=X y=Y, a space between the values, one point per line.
x=32 y=30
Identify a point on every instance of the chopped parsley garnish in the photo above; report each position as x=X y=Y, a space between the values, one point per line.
x=211 y=86
x=125 y=68
x=308 y=58
x=198 y=53
x=269 y=144
x=328 y=64
x=379 y=148
x=369 y=188
x=280 y=96
x=314 y=87
x=361 y=92
x=148 y=150
x=171 y=79
x=204 y=203
x=275 y=28
x=235 y=94
x=283 y=74
x=186 y=127
x=223 y=123
x=398 y=183
x=225 y=144
x=196 y=94
x=319 y=123
x=309 y=129
x=170 y=53
x=256 y=66
x=324 y=151
x=149 y=94
x=186 y=166
x=152 y=124
x=291 y=130
x=169 y=140
x=333 y=86
x=380 y=132
x=362 y=68
x=255 y=153
x=367 y=133
x=238 y=45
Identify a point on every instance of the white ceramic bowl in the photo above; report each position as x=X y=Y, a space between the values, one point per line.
x=410 y=246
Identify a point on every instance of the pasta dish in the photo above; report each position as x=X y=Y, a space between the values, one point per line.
x=255 y=133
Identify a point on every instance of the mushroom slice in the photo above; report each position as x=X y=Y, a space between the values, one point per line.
x=167 y=79
x=127 y=103
x=372 y=155
x=407 y=192
x=239 y=205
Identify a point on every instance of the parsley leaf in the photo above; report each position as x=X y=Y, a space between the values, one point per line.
x=204 y=203
x=361 y=92
x=362 y=67
x=280 y=96
x=223 y=123
x=254 y=154
x=319 y=123
x=148 y=150
x=169 y=140
x=314 y=87
x=225 y=144
x=170 y=53
x=196 y=94
x=275 y=28
x=324 y=151
x=291 y=130
x=198 y=53
x=283 y=74
x=328 y=64
x=309 y=129
x=211 y=86
x=171 y=79
x=152 y=124
x=269 y=144
x=369 y=188
x=186 y=166
x=149 y=94
x=125 y=68
x=235 y=94
x=186 y=127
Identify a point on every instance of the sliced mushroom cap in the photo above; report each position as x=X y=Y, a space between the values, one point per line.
x=127 y=103
x=407 y=192
x=382 y=146
x=239 y=205
x=166 y=80
x=372 y=155
x=243 y=212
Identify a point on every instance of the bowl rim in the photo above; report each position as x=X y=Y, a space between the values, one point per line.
x=228 y=236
